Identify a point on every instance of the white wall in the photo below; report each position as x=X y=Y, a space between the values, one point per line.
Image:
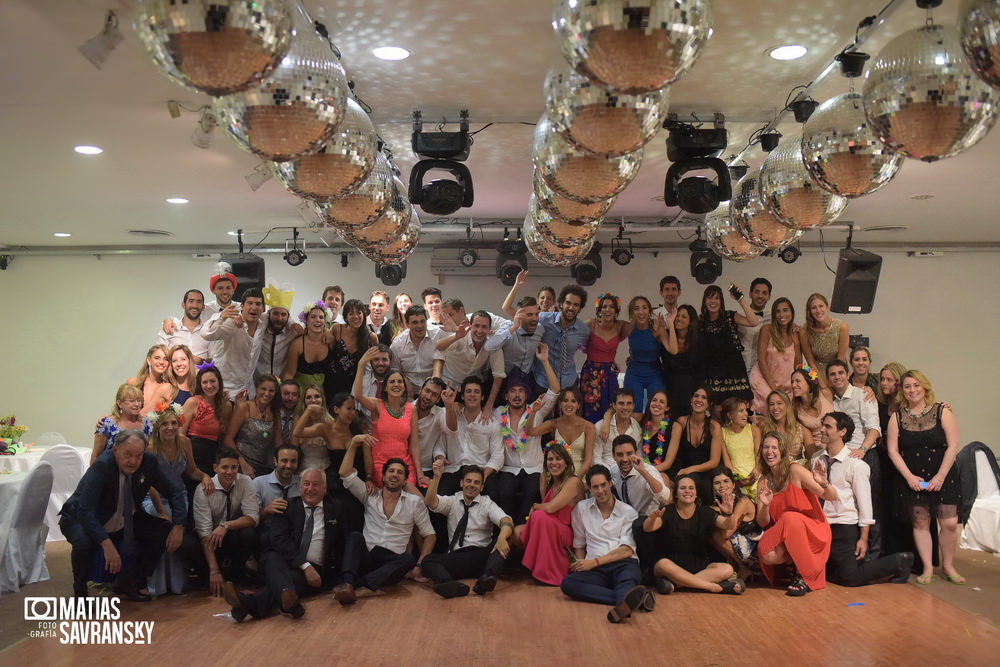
x=74 y=327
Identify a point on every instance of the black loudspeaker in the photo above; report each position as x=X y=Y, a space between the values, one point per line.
x=249 y=272
x=856 y=282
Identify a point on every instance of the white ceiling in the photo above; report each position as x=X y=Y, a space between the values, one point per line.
x=490 y=57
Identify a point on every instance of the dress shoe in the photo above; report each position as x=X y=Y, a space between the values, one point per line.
x=663 y=586
x=344 y=594
x=451 y=589
x=904 y=561
x=290 y=604
x=131 y=592
x=238 y=602
x=486 y=583
x=632 y=601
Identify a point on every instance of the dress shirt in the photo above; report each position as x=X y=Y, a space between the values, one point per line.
x=862 y=412
x=415 y=362
x=392 y=533
x=274 y=349
x=599 y=535
x=483 y=515
x=117 y=520
x=640 y=496
x=530 y=456
x=851 y=479
x=560 y=340
x=472 y=442
x=430 y=430
x=603 y=452
x=315 y=552
x=518 y=346
x=209 y=511
x=183 y=336
x=748 y=336
x=461 y=360
x=369 y=388
x=268 y=489
x=239 y=353
x=211 y=312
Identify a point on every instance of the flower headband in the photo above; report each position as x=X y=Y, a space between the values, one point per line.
x=608 y=295
x=163 y=409
x=810 y=371
x=558 y=443
x=327 y=313
x=205 y=366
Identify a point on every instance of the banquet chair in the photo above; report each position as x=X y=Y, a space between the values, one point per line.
x=67 y=467
x=24 y=558
x=980 y=489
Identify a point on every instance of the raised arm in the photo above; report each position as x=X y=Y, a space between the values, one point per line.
x=303 y=429
x=508 y=303
x=747 y=318
x=292 y=359
x=570 y=493
x=370 y=403
x=668 y=337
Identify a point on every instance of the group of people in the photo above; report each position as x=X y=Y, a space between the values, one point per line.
x=369 y=443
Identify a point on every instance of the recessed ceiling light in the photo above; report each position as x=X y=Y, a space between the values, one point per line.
x=61 y=235
x=922 y=197
x=391 y=53
x=788 y=52
x=88 y=150
x=176 y=200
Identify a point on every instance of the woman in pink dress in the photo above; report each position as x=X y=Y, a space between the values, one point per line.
x=778 y=352
x=394 y=424
x=810 y=400
x=599 y=375
x=548 y=536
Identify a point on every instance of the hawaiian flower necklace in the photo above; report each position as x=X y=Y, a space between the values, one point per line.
x=647 y=438
x=509 y=437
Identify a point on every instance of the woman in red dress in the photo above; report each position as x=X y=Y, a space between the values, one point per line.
x=796 y=530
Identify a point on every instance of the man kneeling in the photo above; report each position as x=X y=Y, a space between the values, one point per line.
x=605 y=569
x=471 y=518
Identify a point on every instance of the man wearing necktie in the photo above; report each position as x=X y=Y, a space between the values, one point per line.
x=101 y=514
x=471 y=518
x=850 y=516
x=289 y=408
x=305 y=541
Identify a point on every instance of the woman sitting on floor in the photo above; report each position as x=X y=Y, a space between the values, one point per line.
x=737 y=543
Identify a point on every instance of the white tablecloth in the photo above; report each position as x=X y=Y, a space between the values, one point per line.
x=10 y=487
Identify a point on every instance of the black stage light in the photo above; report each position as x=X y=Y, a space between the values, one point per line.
x=706 y=266
x=468 y=257
x=444 y=151
x=852 y=63
x=512 y=258
x=690 y=149
x=621 y=251
x=588 y=270
x=295 y=249
x=802 y=109
x=789 y=254
x=769 y=141
x=391 y=274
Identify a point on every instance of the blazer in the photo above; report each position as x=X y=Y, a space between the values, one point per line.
x=284 y=535
x=96 y=497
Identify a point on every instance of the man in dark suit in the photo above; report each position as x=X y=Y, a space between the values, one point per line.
x=106 y=512
x=305 y=544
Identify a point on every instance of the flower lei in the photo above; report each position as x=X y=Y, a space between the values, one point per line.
x=162 y=409
x=507 y=432
x=647 y=437
x=327 y=313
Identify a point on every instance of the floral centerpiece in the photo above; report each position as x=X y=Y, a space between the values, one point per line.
x=10 y=435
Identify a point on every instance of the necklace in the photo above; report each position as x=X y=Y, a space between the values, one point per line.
x=651 y=454
x=392 y=413
x=918 y=416
x=507 y=432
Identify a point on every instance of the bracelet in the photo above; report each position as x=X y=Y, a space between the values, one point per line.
x=211 y=572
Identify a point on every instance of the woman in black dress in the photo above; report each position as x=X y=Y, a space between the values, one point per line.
x=695 y=444
x=725 y=370
x=682 y=372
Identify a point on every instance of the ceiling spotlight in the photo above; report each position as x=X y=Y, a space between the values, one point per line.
x=88 y=150
x=738 y=171
x=706 y=266
x=802 y=109
x=621 y=248
x=343 y=260
x=789 y=254
x=696 y=149
x=512 y=258
x=468 y=255
x=588 y=270
x=769 y=140
x=98 y=48
x=852 y=63
x=788 y=52
x=444 y=152
x=391 y=53
x=202 y=135
x=391 y=274
x=295 y=249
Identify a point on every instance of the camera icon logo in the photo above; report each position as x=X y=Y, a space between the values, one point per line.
x=41 y=609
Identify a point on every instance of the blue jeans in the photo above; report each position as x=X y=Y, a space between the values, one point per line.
x=605 y=584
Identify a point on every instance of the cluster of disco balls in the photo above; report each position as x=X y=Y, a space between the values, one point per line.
x=281 y=93
x=602 y=106
x=931 y=93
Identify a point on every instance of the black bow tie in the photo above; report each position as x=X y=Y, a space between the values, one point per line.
x=759 y=313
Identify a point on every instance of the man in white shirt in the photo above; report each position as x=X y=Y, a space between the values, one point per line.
x=378 y=557
x=760 y=294
x=670 y=293
x=636 y=482
x=464 y=353
x=333 y=297
x=430 y=421
x=413 y=350
x=471 y=518
x=240 y=332
x=188 y=329
x=605 y=569
x=279 y=332
x=432 y=299
x=850 y=516
x=617 y=421
x=377 y=364
x=467 y=439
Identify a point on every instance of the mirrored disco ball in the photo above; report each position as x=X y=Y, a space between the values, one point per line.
x=790 y=193
x=218 y=47
x=363 y=205
x=399 y=249
x=560 y=232
x=340 y=166
x=596 y=120
x=387 y=228
x=633 y=46
x=842 y=153
x=724 y=236
x=924 y=100
x=549 y=253
x=297 y=108
x=754 y=221
x=582 y=176
x=574 y=212
x=979 y=30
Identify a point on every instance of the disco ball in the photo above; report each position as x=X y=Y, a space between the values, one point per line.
x=548 y=253
x=592 y=118
x=340 y=166
x=724 y=236
x=217 y=48
x=363 y=205
x=556 y=205
x=387 y=228
x=790 y=193
x=842 y=153
x=632 y=47
x=397 y=250
x=296 y=109
x=755 y=222
x=582 y=176
x=979 y=28
x=560 y=232
x=923 y=99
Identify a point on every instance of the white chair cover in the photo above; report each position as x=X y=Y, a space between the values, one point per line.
x=982 y=530
x=24 y=557
x=67 y=468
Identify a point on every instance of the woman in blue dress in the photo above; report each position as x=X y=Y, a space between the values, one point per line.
x=644 y=375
